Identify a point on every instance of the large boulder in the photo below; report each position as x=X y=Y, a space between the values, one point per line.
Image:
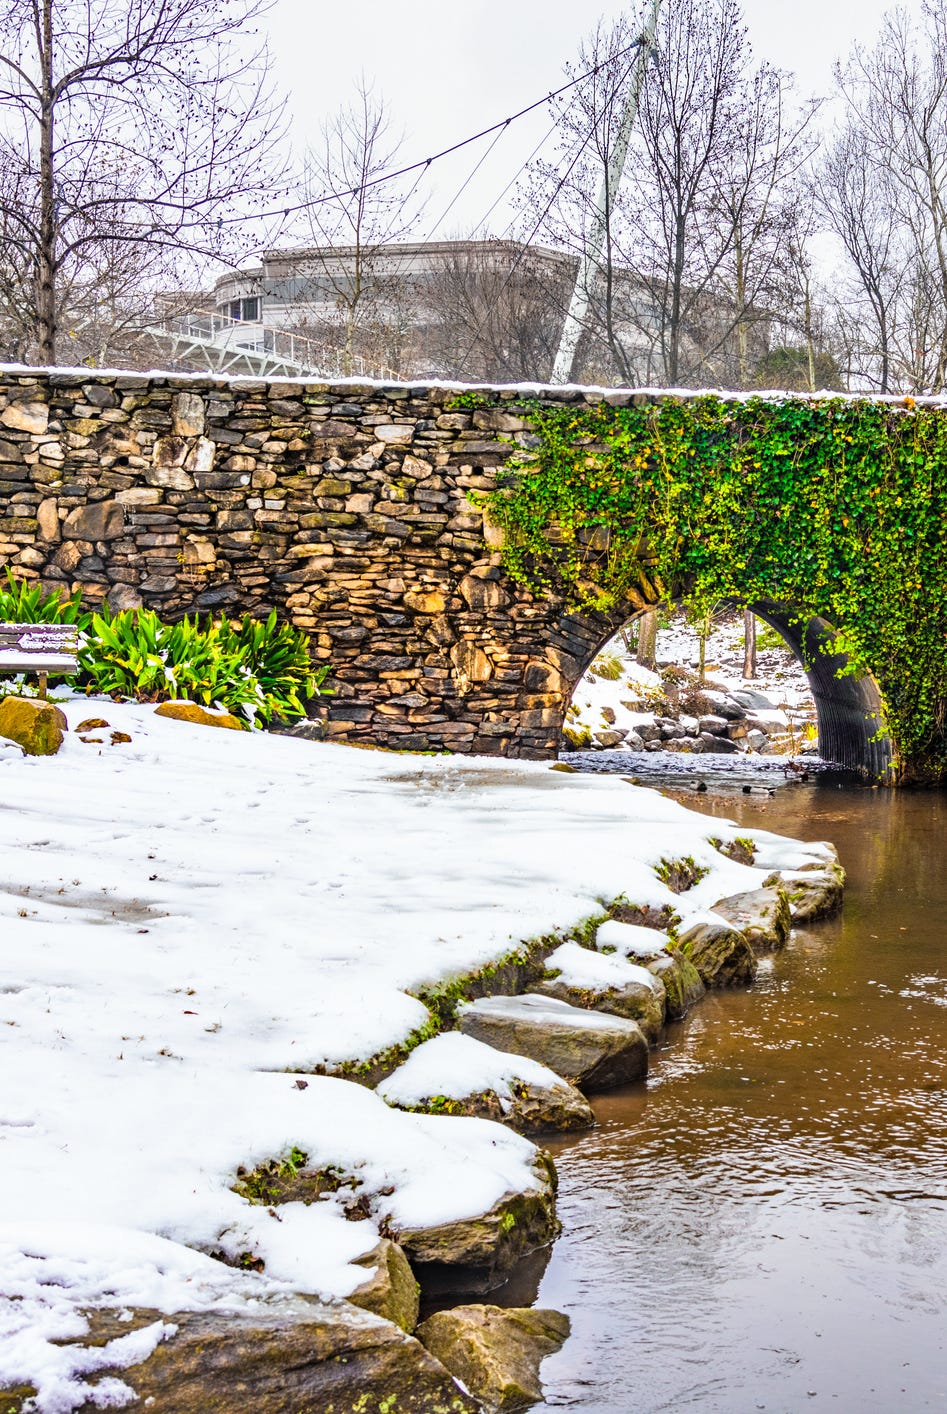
x=454 y=1074
x=34 y=725
x=588 y=1048
x=813 y=892
x=496 y=1353
x=652 y=948
x=719 y=952
x=390 y=1289
x=478 y=1253
x=295 y=1354
x=681 y=982
x=585 y=978
x=762 y=916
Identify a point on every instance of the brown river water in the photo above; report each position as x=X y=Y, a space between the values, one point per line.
x=763 y=1225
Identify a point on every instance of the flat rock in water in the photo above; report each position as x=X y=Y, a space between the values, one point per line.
x=496 y=1352
x=298 y=1355
x=652 y=947
x=762 y=916
x=588 y=1048
x=813 y=893
x=478 y=1253
x=718 y=951
x=454 y=1074
x=587 y=978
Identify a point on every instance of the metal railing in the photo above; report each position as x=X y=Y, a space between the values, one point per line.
x=226 y=343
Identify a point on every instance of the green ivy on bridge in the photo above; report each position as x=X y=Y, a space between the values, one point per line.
x=832 y=507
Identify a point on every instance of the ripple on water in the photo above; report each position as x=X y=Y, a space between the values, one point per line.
x=764 y=1225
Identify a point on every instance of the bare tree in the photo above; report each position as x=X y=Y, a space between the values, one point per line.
x=617 y=338
x=495 y=311
x=891 y=197
x=353 y=289
x=140 y=124
x=694 y=251
x=856 y=200
x=756 y=205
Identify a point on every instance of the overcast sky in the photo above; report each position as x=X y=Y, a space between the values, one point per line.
x=447 y=70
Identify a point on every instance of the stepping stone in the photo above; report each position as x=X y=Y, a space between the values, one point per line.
x=719 y=951
x=603 y=982
x=588 y=1048
x=762 y=916
x=652 y=947
x=454 y=1074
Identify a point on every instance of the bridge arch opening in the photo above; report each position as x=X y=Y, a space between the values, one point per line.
x=848 y=709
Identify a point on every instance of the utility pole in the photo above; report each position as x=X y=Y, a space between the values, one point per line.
x=592 y=256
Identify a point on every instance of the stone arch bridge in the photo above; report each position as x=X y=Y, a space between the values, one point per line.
x=346 y=507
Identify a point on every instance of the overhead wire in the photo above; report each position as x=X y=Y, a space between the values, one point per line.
x=427 y=162
x=421 y=168
x=525 y=246
x=482 y=223
x=466 y=183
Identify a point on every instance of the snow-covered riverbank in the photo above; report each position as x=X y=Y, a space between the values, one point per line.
x=194 y=922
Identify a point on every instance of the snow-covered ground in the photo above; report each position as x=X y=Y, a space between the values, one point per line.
x=195 y=920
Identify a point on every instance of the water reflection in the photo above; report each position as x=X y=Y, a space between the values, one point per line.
x=764 y=1226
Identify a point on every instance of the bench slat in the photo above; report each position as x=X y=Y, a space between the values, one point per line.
x=47 y=648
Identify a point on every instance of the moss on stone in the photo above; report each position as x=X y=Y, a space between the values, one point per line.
x=680 y=874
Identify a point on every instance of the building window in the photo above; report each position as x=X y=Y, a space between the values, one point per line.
x=245 y=310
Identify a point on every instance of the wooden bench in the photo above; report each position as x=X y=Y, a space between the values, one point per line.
x=39 y=648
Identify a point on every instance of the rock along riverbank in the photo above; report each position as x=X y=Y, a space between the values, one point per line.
x=282 y=1023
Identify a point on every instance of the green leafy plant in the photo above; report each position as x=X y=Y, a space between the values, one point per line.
x=767 y=639
x=278 y=656
x=22 y=603
x=255 y=670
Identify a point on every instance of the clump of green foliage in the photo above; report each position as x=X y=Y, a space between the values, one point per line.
x=767 y=638
x=608 y=666
x=22 y=603
x=681 y=874
x=832 y=507
x=255 y=670
x=252 y=668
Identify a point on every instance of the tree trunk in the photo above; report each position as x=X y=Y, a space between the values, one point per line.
x=674 y=352
x=749 y=644
x=46 y=254
x=742 y=337
x=648 y=639
x=703 y=633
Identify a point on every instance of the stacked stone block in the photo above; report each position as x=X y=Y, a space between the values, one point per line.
x=344 y=507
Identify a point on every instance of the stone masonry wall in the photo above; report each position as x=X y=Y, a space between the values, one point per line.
x=344 y=507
